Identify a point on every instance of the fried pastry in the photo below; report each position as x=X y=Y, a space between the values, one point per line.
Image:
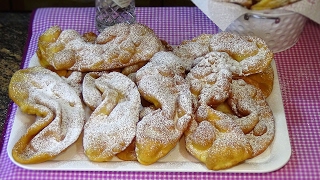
x=117 y=46
x=194 y=48
x=216 y=140
x=91 y=95
x=271 y=4
x=112 y=125
x=254 y=115
x=264 y=80
x=251 y=54
x=245 y=3
x=247 y=125
x=161 y=82
x=59 y=114
x=210 y=79
x=260 y=4
x=74 y=79
x=143 y=98
x=128 y=154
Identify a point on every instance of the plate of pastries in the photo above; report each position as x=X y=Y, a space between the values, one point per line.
x=125 y=100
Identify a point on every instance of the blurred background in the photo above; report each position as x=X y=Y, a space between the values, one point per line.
x=29 y=5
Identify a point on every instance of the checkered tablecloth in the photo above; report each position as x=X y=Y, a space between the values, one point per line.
x=299 y=75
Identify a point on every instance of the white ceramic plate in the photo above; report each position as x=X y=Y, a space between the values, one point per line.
x=178 y=160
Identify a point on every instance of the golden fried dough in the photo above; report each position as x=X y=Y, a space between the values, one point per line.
x=260 y=4
x=112 y=125
x=117 y=46
x=245 y=3
x=90 y=93
x=263 y=80
x=271 y=4
x=194 y=48
x=247 y=125
x=251 y=54
x=210 y=79
x=145 y=95
x=128 y=154
x=254 y=115
x=58 y=109
x=216 y=140
x=161 y=82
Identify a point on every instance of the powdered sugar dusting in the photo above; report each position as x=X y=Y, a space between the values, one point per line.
x=251 y=52
x=90 y=93
x=161 y=82
x=216 y=140
x=59 y=109
x=116 y=47
x=210 y=78
x=246 y=97
x=183 y=89
x=111 y=126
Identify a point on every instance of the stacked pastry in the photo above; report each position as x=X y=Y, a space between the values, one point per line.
x=229 y=84
x=54 y=91
x=143 y=96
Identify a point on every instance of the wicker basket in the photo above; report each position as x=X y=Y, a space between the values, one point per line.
x=279 y=28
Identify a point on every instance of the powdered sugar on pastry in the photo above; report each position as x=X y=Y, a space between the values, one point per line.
x=112 y=125
x=251 y=54
x=90 y=93
x=263 y=80
x=59 y=110
x=216 y=140
x=199 y=89
x=194 y=48
x=254 y=115
x=210 y=78
x=118 y=46
x=161 y=83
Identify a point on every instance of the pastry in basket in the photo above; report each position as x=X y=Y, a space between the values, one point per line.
x=260 y=4
x=216 y=140
x=245 y=3
x=251 y=54
x=161 y=82
x=112 y=125
x=59 y=114
x=271 y=4
x=116 y=47
x=253 y=115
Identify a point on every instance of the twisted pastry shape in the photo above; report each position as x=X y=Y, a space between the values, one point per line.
x=117 y=46
x=58 y=109
x=112 y=125
x=161 y=82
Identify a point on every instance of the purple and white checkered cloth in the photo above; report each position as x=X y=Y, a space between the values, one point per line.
x=299 y=75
